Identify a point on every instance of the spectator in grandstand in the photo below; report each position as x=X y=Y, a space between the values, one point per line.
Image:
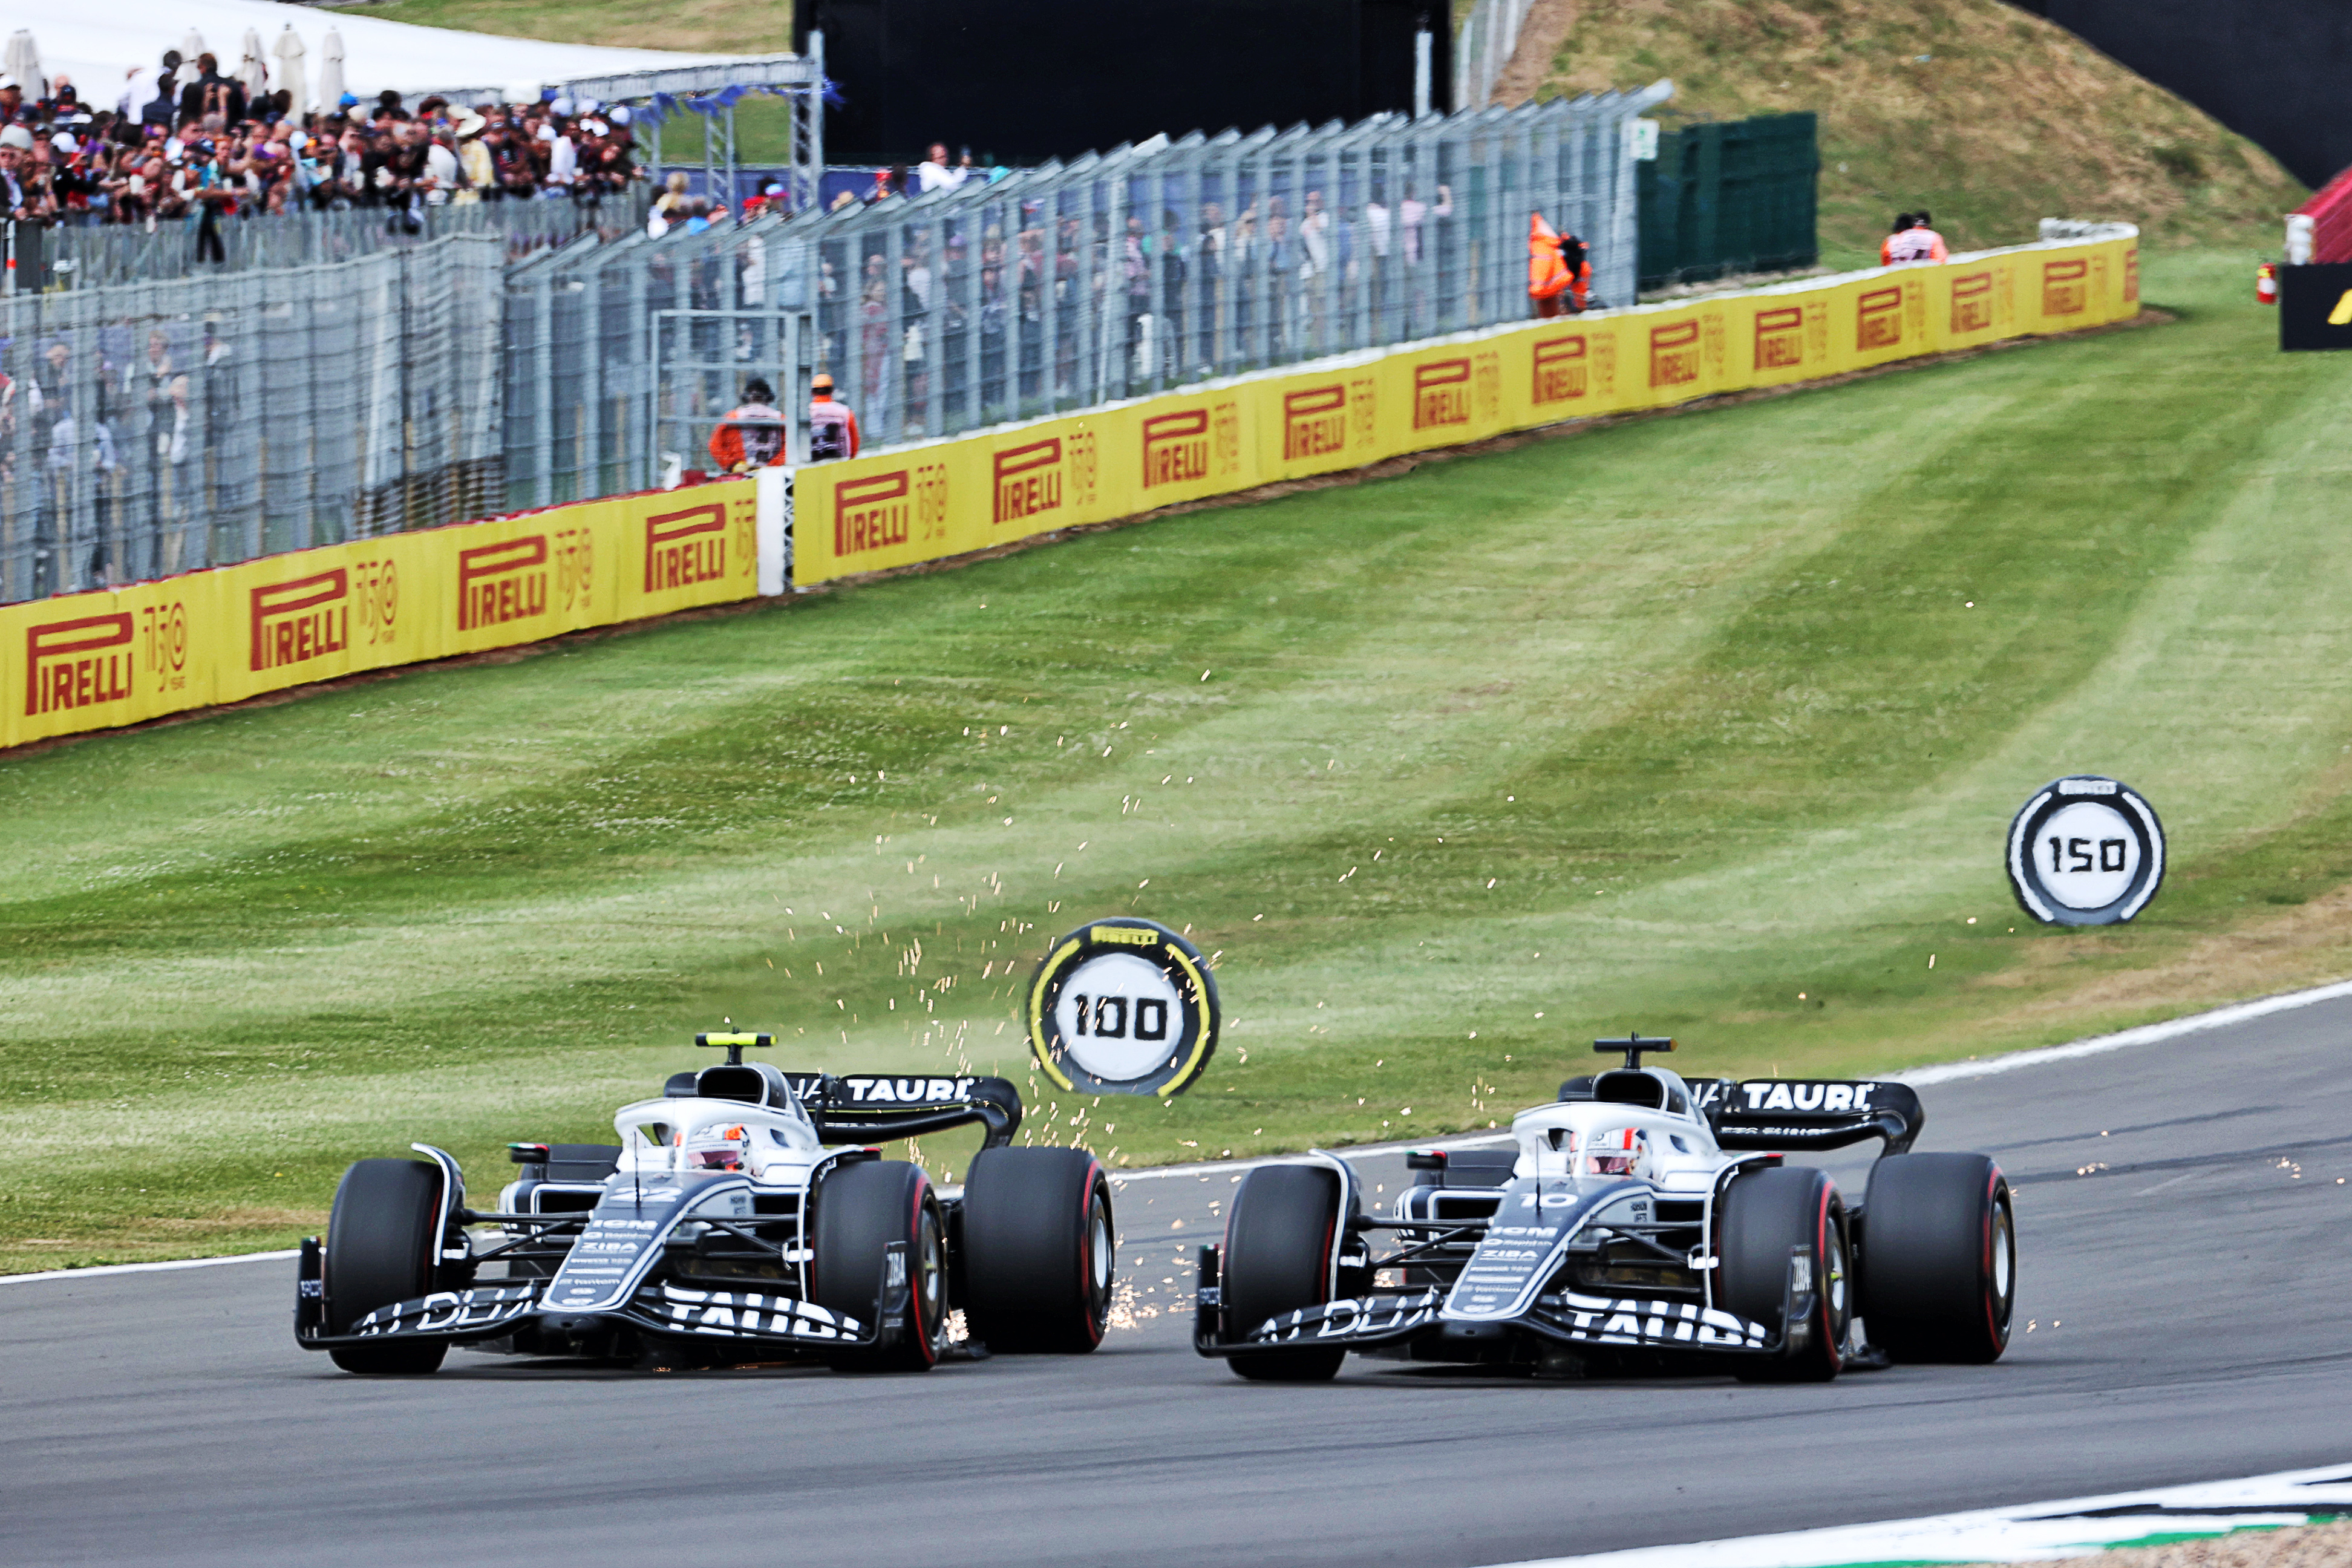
x=1914 y=240
x=750 y=434
x=477 y=173
x=936 y=173
x=833 y=429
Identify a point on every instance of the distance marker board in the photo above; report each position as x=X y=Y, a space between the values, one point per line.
x=2085 y=851
x=1123 y=1006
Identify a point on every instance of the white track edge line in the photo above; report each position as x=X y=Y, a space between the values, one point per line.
x=1949 y=1072
x=99 y=1270
x=2020 y=1533
x=2123 y=1039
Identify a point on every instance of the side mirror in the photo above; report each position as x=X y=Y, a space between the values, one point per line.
x=528 y=1153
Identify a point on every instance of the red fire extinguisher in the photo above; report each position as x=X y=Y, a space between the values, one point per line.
x=2266 y=284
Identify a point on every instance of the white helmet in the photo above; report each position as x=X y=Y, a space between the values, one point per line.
x=1621 y=1151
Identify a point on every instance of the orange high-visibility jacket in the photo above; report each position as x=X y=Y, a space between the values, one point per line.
x=1549 y=274
x=750 y=436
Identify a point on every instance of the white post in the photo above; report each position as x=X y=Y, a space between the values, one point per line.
x=2299 y=240
x=1420 y=54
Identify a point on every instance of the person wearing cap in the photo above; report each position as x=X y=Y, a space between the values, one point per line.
x=16 y=188
x=833 y=429
x=750 y=434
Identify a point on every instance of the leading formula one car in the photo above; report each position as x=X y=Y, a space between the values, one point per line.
x=740 y=1218
x=1638 y=1219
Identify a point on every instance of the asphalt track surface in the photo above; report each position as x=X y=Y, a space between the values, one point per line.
x=2186 y=1266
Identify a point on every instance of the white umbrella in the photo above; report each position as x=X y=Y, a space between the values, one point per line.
x=24 y=64
x=331 y=71
x=288 y=50
x=190 y=47
x=250 y=70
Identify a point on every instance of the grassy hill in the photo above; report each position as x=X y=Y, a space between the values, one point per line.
x=1453 y=771
x=1988 y=116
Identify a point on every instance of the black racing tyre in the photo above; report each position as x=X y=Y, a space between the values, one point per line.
x=1279 y=1237
x=1940 y=1258
x=861 y=1209
x=1040 y=1252
x=1763 y=1217
x=383 y=1245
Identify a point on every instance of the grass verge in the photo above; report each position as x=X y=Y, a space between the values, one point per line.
x=1708 y=725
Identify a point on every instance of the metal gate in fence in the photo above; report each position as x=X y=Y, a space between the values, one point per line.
x=703 y=360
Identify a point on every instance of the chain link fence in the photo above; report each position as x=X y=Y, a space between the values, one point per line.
x=1059 y=288
x=160 y=425
x=157 y=427
x=101 y=255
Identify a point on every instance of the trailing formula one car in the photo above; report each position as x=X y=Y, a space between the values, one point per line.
x=740 y=1219
x=1638 y=1219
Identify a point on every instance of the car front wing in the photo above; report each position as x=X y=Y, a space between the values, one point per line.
x=1569 y=1316
x=661 y=1307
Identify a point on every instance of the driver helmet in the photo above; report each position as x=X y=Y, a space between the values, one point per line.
x=1621 y=1152
x=714 y=1149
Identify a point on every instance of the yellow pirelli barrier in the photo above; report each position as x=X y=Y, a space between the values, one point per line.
x=953 y=497
x=95 y=660
x=91 y=661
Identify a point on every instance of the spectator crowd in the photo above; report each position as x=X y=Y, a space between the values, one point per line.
x=186 y=140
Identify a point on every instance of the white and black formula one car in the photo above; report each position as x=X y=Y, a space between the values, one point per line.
x=740 y=1218
x=1638 y=1220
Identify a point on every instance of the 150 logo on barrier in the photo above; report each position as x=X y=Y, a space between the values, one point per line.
x=2085 y=851
x=163 y=638
x=1123 y=1006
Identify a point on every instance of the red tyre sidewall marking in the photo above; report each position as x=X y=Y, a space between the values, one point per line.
x=1821 y=1230
x=1086 y=1250
x=914 y=1270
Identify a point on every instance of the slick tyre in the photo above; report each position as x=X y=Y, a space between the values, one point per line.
x=1279 y=1239
x=1765 y=1218
x=383 y=1244
x=1940 y=1258
x=861 y=1209
x=1039 y=1251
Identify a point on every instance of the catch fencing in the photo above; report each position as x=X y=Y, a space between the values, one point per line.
x=153 y=428
x=1059 y=288
x=101 y=255
x=548 y=354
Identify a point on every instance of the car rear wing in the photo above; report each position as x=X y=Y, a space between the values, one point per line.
x=871 y=1108
x=1810 y=1113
